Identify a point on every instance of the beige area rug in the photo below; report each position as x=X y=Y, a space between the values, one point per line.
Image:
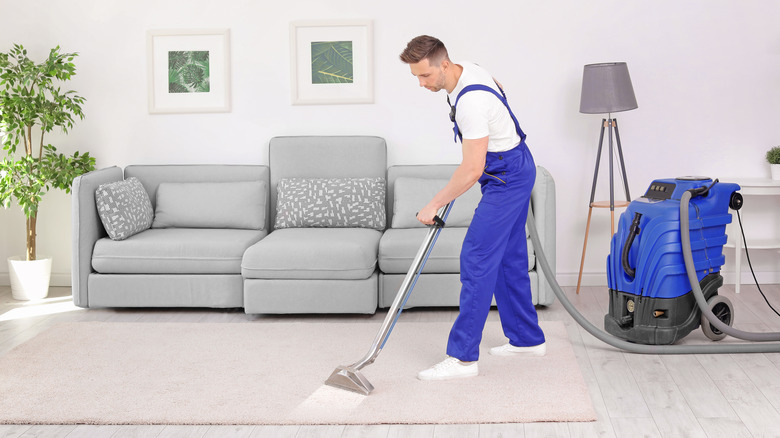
x=273 y=373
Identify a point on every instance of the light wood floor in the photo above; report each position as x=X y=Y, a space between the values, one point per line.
x=735 y=395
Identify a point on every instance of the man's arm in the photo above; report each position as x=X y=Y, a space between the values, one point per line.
x=469 y=171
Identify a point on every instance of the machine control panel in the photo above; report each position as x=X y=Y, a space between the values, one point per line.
x=673 y=188
x=660 y=190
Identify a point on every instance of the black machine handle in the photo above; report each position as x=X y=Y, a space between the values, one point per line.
x=438 y=222
x=703 y=190
x=632 y=233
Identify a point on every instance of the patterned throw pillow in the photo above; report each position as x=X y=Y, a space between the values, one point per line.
x=331 y=203
x=124 y=208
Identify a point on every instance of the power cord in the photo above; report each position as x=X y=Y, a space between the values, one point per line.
x=747 y=255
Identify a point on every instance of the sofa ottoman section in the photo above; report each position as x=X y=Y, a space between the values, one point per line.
x=290 y=296
x=313 y=253
x=312 y=270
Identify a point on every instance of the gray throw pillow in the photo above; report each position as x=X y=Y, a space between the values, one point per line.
x=124 y=208
x=235 y=205
x=331 y=203
x=412 y=194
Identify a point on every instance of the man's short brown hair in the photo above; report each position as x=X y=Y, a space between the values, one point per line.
x=424 y=47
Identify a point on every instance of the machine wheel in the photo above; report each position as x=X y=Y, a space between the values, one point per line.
x=722 y=308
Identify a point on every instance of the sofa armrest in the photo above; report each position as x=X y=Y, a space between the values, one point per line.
x=543 y=207
x=87 y=227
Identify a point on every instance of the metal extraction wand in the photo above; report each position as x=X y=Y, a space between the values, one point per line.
x=349 y=377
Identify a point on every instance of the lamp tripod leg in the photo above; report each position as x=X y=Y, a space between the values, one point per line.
x=584 y=248
x=620 y=157
x=612 y=222
x=592 y=197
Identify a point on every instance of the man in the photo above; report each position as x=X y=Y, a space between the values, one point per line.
x=494 y=256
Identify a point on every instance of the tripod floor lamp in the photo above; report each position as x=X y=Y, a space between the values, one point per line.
x=606 y=89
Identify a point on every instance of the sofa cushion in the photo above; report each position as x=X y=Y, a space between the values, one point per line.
x=175 y=251
x=331 y=203
x=399 y=246
x=239 y=205
x=412 y=194
x=124 y=208
x=313 y=253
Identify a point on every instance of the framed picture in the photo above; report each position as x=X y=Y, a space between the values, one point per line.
x=331 y=62
x=189 y=70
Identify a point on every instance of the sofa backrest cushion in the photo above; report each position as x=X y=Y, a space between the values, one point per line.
x=235 y=205
x=124 y=208
x=151 y=176
x=331 y=203
x=325 y=157
x=412 y=194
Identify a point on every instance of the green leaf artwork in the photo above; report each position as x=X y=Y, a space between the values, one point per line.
x=331 y=62
x=188 y=72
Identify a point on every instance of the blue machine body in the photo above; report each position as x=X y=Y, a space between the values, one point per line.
x=655 y=253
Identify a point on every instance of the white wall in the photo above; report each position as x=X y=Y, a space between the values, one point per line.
x=706 y=75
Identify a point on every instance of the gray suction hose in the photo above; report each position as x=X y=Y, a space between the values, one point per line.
x=629 y=346
x=698 y=294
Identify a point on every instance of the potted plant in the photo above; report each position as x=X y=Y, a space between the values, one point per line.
x=32 y=105
x=773 y=157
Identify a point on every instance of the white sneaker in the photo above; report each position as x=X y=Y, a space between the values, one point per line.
x=449 y=368
x=511 y=350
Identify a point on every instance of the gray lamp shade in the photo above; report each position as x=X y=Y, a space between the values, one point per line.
x=606 y=88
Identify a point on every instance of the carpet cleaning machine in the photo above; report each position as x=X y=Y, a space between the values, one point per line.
x=663 y=276
x=650 y=297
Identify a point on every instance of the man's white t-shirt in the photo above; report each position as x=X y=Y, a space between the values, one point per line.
x=480 y=113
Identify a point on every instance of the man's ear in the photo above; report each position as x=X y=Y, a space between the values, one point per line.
x=445 y=64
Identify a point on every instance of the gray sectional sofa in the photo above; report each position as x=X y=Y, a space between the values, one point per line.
x=283 y=250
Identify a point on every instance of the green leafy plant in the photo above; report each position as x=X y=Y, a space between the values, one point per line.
x=31 y=104
x=773 y=155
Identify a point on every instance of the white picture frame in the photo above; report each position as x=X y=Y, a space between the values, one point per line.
x=354 y=38
x=208 y=53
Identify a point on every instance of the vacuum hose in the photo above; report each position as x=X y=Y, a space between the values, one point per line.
x=697 y=293
x=642 y=348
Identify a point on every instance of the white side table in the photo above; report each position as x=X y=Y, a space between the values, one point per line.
x=751 y=187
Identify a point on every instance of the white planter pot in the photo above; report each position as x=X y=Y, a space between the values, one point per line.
x=29 y=279
x=775 y=169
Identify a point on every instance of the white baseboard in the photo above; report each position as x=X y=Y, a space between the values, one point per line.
x=592 y=279
x=57 y=279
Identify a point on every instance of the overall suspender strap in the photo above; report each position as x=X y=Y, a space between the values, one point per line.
x=501 y=97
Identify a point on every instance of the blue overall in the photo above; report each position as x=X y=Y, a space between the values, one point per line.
x=494 y=256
